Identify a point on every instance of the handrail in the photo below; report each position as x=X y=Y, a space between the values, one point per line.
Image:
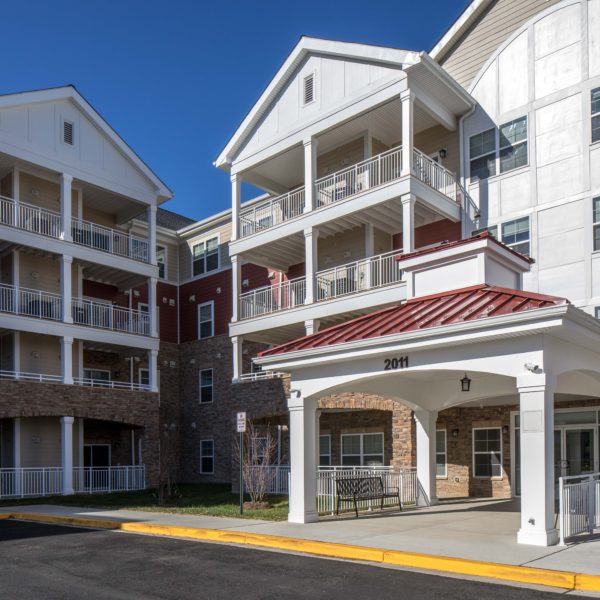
x=434 y=175
x=29 y=217
x=24 y=376
x=107 y=316
x=261 y=375
x=109 y=384
x=272 y=298
x=30 y=303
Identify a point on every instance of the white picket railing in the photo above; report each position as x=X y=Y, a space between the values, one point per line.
x=579 y=505
x=108 y=316
x=273 y=211
x=29 y=217
x=277 y=479
x=272 y=298
x=261 y=375
x=109 y=384
x=91 y=480
x=358 y=178
x=24 y=376
x=358 y=276
x=434 y=175
x=30 y=303
x=23 y=482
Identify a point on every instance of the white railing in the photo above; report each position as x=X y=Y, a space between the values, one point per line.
x=107 y=316
x=352 y=278
x=19 y=483
x=29 y=217
x=579 y=505
x=24 y=376
x=405 y=480
x=261 y=375
x=277 y=480
x=434 y=175
x=272 y=298
x=115 y=385
x=30 y=303
x=272 y=212
x=362 y=176
x=90 y=480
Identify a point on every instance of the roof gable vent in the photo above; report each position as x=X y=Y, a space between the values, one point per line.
x=309 y=89
x=68 y=132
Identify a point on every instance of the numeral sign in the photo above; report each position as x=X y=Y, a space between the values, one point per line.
x=391 y=364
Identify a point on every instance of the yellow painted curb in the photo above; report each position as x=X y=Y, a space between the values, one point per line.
x=443 y=564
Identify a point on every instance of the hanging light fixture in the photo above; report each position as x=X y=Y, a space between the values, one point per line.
x=465 y=384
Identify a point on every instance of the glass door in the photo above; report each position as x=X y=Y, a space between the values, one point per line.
x=579 y=450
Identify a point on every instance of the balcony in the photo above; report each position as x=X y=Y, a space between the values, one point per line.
x=82 y=381
x=273 y=298
x=43 y=221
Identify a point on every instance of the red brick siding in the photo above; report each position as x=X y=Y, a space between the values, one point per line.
x=432 y=233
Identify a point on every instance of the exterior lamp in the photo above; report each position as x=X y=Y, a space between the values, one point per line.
x=443 y=153
x=465 y=384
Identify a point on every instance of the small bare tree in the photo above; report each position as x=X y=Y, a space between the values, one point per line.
x=167 y=488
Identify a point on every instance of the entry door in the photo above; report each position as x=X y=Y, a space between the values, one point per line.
x=96 y=455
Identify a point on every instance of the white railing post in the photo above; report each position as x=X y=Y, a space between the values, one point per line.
x=561 y=511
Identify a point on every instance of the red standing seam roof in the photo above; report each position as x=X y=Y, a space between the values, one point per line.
x=446 y=308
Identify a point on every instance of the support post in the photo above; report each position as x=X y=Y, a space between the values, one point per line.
x=17 y=353
x=17 y=454
x=311 y=326
x=236 y=285
x=152 y=306
x=369 y=252
x=237 y=343
x=65 y=207
x=152 y=234
x=311 y=238
x=66 y=359
x=80 y=443
x=66 y=454
x=408 y=222
x=536 y=395
x=426 y=438
x=303 y=459
x=236 y=193
x=66 y=287
x=153 y=370
x=310 y=173
x=407 y=100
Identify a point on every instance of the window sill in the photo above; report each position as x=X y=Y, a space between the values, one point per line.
x=205 y=403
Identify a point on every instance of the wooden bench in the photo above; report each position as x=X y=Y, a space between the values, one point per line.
x=355 y=489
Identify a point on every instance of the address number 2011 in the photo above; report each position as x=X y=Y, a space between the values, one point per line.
x=391 y=364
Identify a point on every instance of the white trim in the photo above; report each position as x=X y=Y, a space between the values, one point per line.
x=93 y=369
x=204 y=240
x=164 y=249
x=474 y=452
x=305 y=77
x=210 y=303
x=212 y=456
x=361 y=434
x=140 y=370
x=212 y=386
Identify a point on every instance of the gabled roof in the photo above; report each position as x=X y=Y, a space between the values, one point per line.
x=168 y=219
x=447 y=308
x=69 y=92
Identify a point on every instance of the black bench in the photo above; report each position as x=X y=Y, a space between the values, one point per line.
x=355 y=489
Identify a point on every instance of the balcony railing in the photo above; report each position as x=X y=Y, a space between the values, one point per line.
x=261 y=376
x=272 y=212
x=434 y=175
x=107 y=316
x=30 y=303
x=113 y=385
x=359 y=276
x=273 y=298
x=23 y=376
x=29 y=217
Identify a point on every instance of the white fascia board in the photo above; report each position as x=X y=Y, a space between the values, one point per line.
x=524 y=323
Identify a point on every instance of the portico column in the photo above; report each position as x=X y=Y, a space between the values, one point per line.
x=311 y=237
x=152 y=306
x=236 y=193
x=311 y=326
x=66 y=289
x=303 y=459
x=536 y=396
x=65 y=207
x=236 y=284
x=66 y=359
x=152 y=234
x=66 y=454
x=425 y=424
x=310 y=173
x=237 y=343
x=408 y=222
x=153 y=370
x=17 y=453
x=407 y=100
x=369 y=253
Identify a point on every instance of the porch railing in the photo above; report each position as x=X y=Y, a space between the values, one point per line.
x=358 y=178
x=579 y=505
x=24 y=376
x=28 y=217
x=274 y=211
x=273 y=298
x=358 y=276
x=277 y=479
x=91 y=480
x=113 y=385
x=434 y=175
x=261 y=376
x=108 y=316
x=23 y=482
x=30 y=303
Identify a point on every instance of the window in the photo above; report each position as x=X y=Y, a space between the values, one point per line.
x=325 y=450
x=206 y=386
x=482 y=154
x=205 y=320
x=161 y=261
x=596 y=217
x=144 y=376
x=596 y=115
x=362 y=449
x=515 y=234
x=309 y=89
x=207 y=457
x=68 y=132
x=441 y=458
x=487 y=452
x=513 y=144
x=96 y=374
x=205 y=256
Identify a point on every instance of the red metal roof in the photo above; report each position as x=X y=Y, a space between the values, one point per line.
x=447 y=308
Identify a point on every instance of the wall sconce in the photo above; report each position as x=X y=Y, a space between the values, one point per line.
x=505 y=430
x=171 y=302
x=455 y=433
x=136 y=359
x=34 y=274
x=164 y=363
x=218 y=290
x=172 y=364
x=192 y=298
x=34 y=192
x=465 y=384
x=164 y=300
x=443 y=153
x=192 y=361
x=271 y=275
x=219 y=355
x=35 y=354
x=193 y=425
x=245 y=283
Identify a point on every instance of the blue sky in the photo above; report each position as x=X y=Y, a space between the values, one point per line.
x=176 y=78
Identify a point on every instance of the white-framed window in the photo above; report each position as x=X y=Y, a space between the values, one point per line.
x=205 y=380
x=596 y=223
x=96 y=374
x=161 y=261
x=144 y=376
x=596 y=115
x=482 y=154
x=487 y=452
x=308 y=89
x=205 y=256
x=206 y=319
x=207 y=457
x=513 y=144
x=441 y=453
x=325 y=450
x=516 y=234
x=362 y=449
x=143 y=307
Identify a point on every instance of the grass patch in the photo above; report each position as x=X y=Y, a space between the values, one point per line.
x=211 y=499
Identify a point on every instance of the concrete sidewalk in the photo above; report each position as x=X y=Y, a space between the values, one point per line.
x=472 y=530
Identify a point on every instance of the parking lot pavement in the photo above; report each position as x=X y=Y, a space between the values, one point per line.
x=52 y=562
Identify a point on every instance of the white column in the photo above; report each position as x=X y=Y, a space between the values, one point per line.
x=236 y=287
x=80 y=443
x=310 y=173
x=17 y=453
x=66 y=359
x=65 y=207
x=236 y=195
x=66 y=287
x=425 y=425
x=152 y=306
x=311 y=238
x=536 y=394
x=80 y=359
x=17 y=352
x=153 y=370
x=408 y=222
x=66 y=454
x=16 y=193
x=407 y=99
x=237 y=343
x=303 y=460
x=152 y=234
x=79 y=280
x=369 y=252
x=311 y=326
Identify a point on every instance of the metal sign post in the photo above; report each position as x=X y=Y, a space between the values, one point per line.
x=241 y=427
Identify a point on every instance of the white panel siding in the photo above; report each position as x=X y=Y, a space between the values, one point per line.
x=513 y=78
x=568 y=280
x=560 y=249
x=558 y=70
x=560 y=180
x=515 y=192
x=594 y=36
x=558 y=30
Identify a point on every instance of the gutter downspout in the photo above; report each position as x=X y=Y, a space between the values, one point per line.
x=463 y=179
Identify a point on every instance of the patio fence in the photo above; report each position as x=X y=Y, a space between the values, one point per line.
x=579 y=505
x=277 y=480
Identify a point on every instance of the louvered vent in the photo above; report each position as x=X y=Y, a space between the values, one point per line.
x=68 y=132
x=309 y=89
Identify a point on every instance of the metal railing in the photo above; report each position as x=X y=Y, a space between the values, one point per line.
x=261 y=375
x=30 y=303
x=405 y=480
x=108 y=316
x=434 y=175
x=24 y=376
x=362 y=176
x=29 y=217
x=22 y=482
x=277 y=480
x=358 y=276
x=272 y=212
x=91 y=480
x=579 y=505
x=272 y=298
x=109 y=384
